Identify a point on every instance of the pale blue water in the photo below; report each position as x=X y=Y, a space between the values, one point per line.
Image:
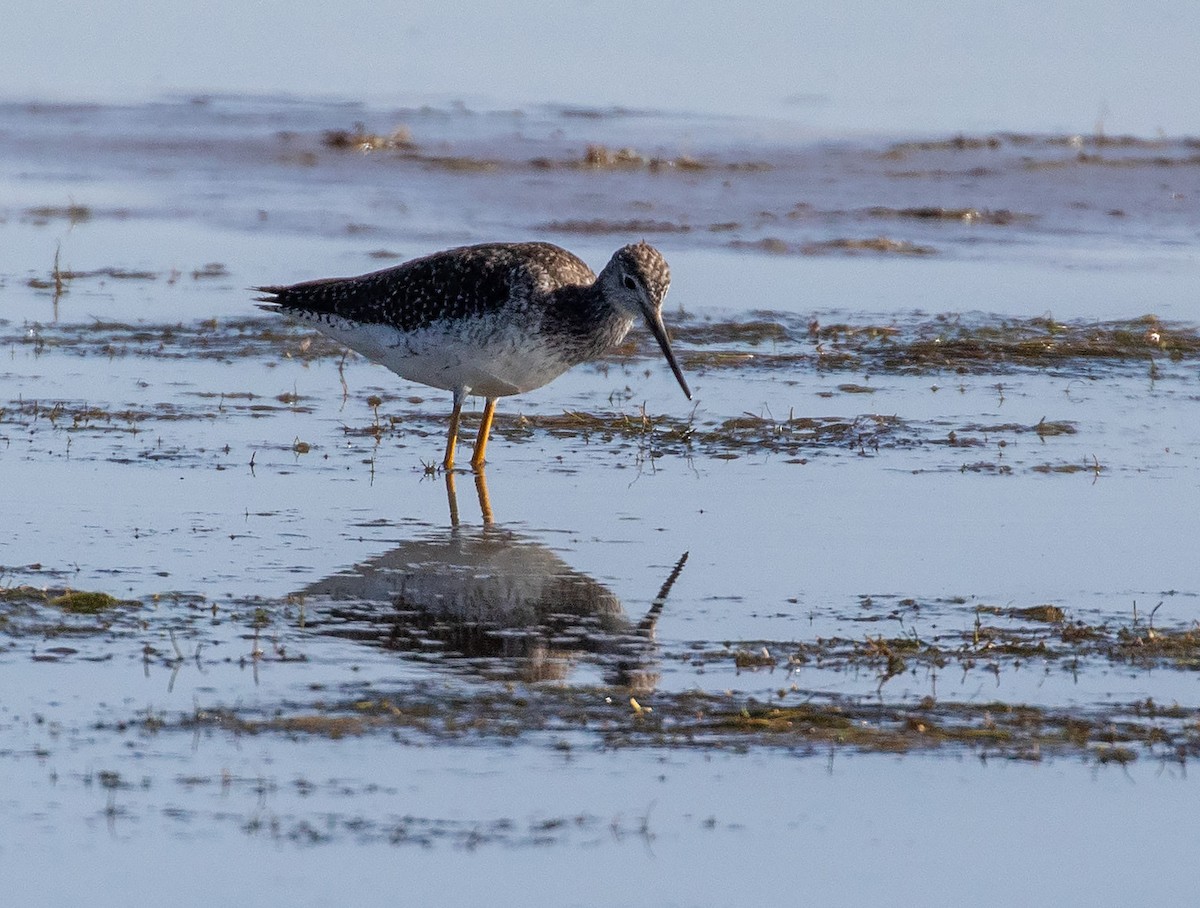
x=833 y=68
x=777 y=551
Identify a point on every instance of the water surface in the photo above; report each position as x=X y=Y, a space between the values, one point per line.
x=937 y=491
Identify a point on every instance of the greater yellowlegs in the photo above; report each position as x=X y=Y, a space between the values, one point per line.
x=493 y=319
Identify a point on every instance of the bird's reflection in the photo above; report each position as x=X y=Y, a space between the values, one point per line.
x=494 y=602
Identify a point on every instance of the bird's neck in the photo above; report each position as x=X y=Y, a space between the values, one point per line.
x=586 y=314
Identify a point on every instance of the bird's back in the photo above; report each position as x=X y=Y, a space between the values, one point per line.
x=455 y=285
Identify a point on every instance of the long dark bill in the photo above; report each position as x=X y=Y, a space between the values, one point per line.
x=659 y=330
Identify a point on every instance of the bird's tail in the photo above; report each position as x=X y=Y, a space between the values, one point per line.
x=272 y=297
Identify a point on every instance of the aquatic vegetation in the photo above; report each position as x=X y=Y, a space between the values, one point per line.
x=84 y=603
x=77 y=602
x=1001 y=216
x=880 y=244
x=948 y=343
x=600 y=157
x=1084 y=149
x=210 y=270
x=935 y=343
x=710 y=721
x=60 y=277
x=359 y=138
x=847 y=245
x=761 y=344
x=498 y=706
x=74 y=214
x=634 y=227
x=43 y=615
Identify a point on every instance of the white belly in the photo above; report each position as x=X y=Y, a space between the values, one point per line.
x=490 y=359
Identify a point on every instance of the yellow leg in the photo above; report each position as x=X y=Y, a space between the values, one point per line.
x=485 y=429
x=485 y=503
x=451 y=498
x=448 y=460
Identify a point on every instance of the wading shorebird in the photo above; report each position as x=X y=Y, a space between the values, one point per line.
x=494 y=319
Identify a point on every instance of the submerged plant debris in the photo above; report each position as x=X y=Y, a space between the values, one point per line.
x=814 y=726
x=954 y=343
x=647 y=436
x=904 y=346
x=767 y=343
x=495 y=699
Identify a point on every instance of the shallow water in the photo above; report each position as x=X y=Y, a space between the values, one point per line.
x=837 y=70
x=326 y=655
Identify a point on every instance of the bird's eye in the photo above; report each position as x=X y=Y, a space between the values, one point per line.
x=630 y=283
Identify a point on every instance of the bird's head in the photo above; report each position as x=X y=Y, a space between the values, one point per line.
x=635 y=282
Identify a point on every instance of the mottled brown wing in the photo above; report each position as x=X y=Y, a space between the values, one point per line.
x=458 y=284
